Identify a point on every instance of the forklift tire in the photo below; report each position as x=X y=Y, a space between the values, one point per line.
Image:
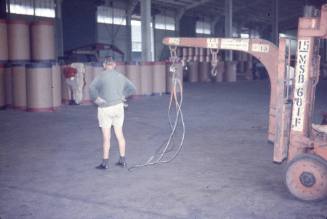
x=306 y=177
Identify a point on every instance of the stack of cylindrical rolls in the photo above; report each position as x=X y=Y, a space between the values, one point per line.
x=198 y=62
x=29 y=74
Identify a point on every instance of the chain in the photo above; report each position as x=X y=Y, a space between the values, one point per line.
x=173 y=59
x=173 y=54
x=214 y=62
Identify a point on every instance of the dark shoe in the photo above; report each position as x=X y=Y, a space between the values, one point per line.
x=121 y=162
x=102 y=166
x=73 y=103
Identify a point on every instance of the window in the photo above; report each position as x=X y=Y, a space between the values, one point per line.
x=45 y=8
x=136 y=36
x=164 y=22
x=245 y=35
x=42 y=8
x=203 y=27
x=108 y=15
x=21 y=7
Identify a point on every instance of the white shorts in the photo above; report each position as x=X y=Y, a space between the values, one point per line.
x=111 y=116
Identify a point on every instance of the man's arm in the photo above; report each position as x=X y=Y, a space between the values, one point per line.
x=129 y=88
x=94 y=93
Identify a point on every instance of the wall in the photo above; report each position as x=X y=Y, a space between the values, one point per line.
x=113 y=34
x=219 y=28
x=117 y=35
x=186 y=24
x=3 y=13
x=162 y=51
x=79 y=23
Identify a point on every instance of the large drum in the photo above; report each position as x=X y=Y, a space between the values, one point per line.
x=3 y=41
x=19 y=86
x=121 y=67
x=88 y=78
x=134 y=75
x=248 y=69
x=2 y=87
x=97 y=68
x=230 y=71
x=146 y=71
x=39 y=87
x=159 y=78
x=8 y=86
x=43 y=42
x=204 y=68
x=220 y=71
x=194 y=71
x=19 y=40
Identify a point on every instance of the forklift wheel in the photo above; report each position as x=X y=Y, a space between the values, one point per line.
x=306 y=177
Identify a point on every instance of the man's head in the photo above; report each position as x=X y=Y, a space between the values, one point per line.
x=109 y=63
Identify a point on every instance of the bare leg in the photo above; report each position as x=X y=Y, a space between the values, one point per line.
x=106 y=142
x=121 y=140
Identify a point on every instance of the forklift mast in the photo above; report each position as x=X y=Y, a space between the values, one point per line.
x=295 y=105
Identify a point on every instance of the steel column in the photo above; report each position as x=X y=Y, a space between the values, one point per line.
x=228 y=26
x=146 y=29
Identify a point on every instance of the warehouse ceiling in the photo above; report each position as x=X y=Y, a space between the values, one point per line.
x=247 y=13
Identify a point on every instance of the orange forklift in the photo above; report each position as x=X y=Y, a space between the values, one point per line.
x=297 y=141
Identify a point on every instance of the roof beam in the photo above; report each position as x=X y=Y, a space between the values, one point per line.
x=131 y=6
x=189 y=7
x=216 y=20
x=237 y=9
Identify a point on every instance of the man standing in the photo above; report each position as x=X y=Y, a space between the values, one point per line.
x=80 y=81
x=70 y=79
x=109 y=90
x=74 y=74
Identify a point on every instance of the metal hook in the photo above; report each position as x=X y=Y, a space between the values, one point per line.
x=214 y=62
x=214 y=71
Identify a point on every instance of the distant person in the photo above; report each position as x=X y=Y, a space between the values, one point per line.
x=74 y=78
x=71 y=84
x=109 y=90
x=80 y=81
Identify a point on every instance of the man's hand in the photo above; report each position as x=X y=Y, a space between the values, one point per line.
x=99 y=101
x=124 y=102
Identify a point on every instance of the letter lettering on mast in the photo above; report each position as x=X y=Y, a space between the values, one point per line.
x=301 y=81
x=235 y=44
x=173 y=41
x=212 y=43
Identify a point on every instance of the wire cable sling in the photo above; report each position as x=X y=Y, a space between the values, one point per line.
x=176 y=99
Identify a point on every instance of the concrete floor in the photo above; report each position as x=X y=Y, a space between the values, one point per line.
x=225 y=170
